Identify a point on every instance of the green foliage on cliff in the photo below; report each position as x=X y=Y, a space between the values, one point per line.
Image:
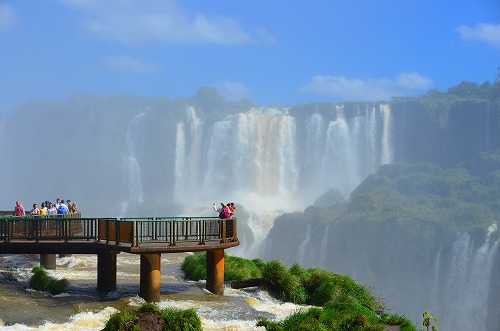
x=412 y=200
x=462 y=198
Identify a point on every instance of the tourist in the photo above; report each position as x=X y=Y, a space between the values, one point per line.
x=19 y=209
x=223 y=210
x=58 y=202
x=63 y=209
x=232 y=209
x=51 y=210
x=35 y=210
x=43 y=209
x=73 y=208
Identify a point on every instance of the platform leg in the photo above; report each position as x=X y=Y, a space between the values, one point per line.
x=48 y=261
x=150 y=277
x=106 y=271
x=215 y=271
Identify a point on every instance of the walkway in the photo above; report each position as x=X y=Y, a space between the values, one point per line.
x=107 y=237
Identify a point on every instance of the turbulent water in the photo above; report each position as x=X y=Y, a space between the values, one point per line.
x=82 y=308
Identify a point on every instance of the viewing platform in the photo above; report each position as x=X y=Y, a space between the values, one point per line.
x=49 y=235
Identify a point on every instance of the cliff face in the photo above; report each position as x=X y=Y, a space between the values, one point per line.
x=445 y=134
x=424 y=237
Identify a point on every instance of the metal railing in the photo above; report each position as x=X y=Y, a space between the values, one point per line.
x=132 y=231
x=47 y=228
x=167 y=230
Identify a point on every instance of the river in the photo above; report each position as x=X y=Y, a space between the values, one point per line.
x=81 y=307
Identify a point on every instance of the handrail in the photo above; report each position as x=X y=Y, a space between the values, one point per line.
x=137 y=231
x=167 y=230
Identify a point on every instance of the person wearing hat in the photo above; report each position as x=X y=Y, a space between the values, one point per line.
x=223 y=210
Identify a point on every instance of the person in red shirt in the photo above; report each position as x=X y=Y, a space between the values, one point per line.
x=19 y=209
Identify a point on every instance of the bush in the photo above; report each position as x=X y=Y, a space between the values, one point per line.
x=173 y=319
x=195 y=266
x=275 y=274
x=235 y=268
x=40 y=281
x=148 y=308
x=181 y=320
x=122 y=321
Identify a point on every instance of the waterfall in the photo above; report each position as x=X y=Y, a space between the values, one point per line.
x=304 y=246
x=131 y=168
x=324 y=247
x=180 y=162
x=467 y=286
x=187 y=155
x=385 y=109
x=252 y=156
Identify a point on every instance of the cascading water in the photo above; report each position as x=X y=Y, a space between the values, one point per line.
x=305 y=246
x=463 y=299
x=255 y=158
x=386 y=139
x=131 y=168
x=187 y=156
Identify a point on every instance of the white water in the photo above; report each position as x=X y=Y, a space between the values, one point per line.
x=464 y=300
x=131 y=168
x=83 y=309
x=255 y=158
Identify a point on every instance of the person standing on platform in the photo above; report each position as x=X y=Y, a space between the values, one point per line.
x=223 y=210
x=19 y=209
x=35 y=210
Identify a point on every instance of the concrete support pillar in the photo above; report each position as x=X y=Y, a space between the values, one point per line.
x=48 y=261
x=215 y=271
x=150 y=277
x=106 y=271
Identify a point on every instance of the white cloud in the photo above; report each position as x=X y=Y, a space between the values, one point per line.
x=8 y=17
x=233 y=91
x=343 y=89
x=155 y=21
x=129 y=64
x=483 y=32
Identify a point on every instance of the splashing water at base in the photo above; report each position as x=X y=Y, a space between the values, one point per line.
x=82 y=308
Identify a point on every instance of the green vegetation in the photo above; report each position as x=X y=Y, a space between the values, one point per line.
x=169 y=319
x=40 y=281
x=235 y=268
x=346 y=305
x=337 y=316
x=428 y=318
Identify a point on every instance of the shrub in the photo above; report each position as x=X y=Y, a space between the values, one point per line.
x=173 y=319
x=275 y=274
x=235 y=268
x=181 y=320
x=260 y=264
x=122 y=321
x=40 y=281
x=194 y=266
x=149 y=308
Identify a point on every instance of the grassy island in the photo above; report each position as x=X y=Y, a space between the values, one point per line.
x=341 y=303
x=150 y=317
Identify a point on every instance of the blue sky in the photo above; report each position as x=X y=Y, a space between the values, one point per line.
x=272 y=52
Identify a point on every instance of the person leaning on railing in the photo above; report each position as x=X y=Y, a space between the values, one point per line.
x=35 y=210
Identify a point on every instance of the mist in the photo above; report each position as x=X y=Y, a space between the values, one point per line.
x=125 y=156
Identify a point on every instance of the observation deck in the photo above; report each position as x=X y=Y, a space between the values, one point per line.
x=49 y=235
